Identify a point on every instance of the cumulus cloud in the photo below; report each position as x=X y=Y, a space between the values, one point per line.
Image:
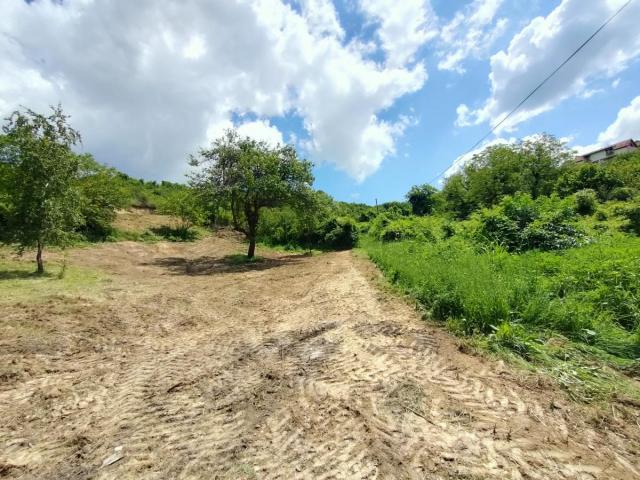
x=542 y=45
x=403 y=26
x=470 y=33
x=625 y=126
x=148 y=82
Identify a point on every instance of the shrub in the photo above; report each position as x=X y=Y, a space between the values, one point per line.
x=622 y=194
x=448 y=230
x=520 y=224
x=586 y=201
x=341 y=233
x=407 y=229
x=601 y=215
x=632 y=214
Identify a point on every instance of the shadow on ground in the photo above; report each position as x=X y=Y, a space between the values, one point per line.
x=228 y=264
x=21 y=274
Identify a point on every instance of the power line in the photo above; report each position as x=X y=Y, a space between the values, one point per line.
x=540 y=85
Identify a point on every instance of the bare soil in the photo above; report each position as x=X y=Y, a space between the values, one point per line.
x=188 y=364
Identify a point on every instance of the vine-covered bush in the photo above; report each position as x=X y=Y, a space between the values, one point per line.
x=519 y=224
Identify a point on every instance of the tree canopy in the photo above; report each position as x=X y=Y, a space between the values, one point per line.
x=249 y=175
x=422 y=199
x=39 y=172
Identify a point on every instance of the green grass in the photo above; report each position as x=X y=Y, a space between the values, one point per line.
x=19 y=283
x=574 y=314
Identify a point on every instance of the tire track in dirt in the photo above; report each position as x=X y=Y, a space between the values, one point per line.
x=298 y=369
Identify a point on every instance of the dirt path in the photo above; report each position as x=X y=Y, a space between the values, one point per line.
x=190 y=366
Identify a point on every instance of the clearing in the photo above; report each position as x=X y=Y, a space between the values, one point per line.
x=183 y=361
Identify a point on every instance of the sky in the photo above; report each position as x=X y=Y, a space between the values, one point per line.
x=379 y=94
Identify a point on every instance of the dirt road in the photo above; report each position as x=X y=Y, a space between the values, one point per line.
x=188 y=365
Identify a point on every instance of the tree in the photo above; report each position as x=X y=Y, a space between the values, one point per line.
x=422 y=199
x=455 y=194
x=44 y=204
x=250 y=175
x=531 y=166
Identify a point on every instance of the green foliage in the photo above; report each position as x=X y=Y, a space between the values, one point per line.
x=576 y=293
x=622 y=193
x=101 y=195
x=632 y=214
x=520 y=223
x=317 y=226
x=185 y=206
x=422 y=199
x=41 y=171
x=581 y=176
x=249 y=175
x=409 y=228
x=586 y=201
x=341 y=233
x=529 y=166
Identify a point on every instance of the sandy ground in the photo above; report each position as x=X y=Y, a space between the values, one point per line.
x=186 y=365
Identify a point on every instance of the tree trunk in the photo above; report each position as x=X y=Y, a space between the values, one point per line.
x=252 y=248
x=251 y=212
x=39 y=260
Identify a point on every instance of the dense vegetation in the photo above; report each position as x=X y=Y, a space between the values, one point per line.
x=530 y=253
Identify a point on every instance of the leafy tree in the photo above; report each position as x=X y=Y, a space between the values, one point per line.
x=45 y=206
x=530 y=166
x=422 y=199
x=250 y=175
x=457 y=199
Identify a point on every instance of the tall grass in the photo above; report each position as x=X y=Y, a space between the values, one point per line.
x=589 y=296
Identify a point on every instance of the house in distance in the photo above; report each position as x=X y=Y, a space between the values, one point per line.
x=611 y=151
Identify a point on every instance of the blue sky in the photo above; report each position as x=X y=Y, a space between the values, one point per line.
x=379 y=94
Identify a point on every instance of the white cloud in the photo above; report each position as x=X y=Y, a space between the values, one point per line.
x=261 y=130
x=404 y=26
x=625 y=126
x=543 y=44
x=470 y=33
x=148 y=82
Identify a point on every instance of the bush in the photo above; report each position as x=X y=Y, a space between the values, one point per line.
x=632 y=214
x=588 y=176
x=520 y=224
x=622 y=194
x=601 y=216
x=407 y=229
x=586 y=201
x=341 y=234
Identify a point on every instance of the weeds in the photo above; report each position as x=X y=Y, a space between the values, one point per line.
x=575 y=314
